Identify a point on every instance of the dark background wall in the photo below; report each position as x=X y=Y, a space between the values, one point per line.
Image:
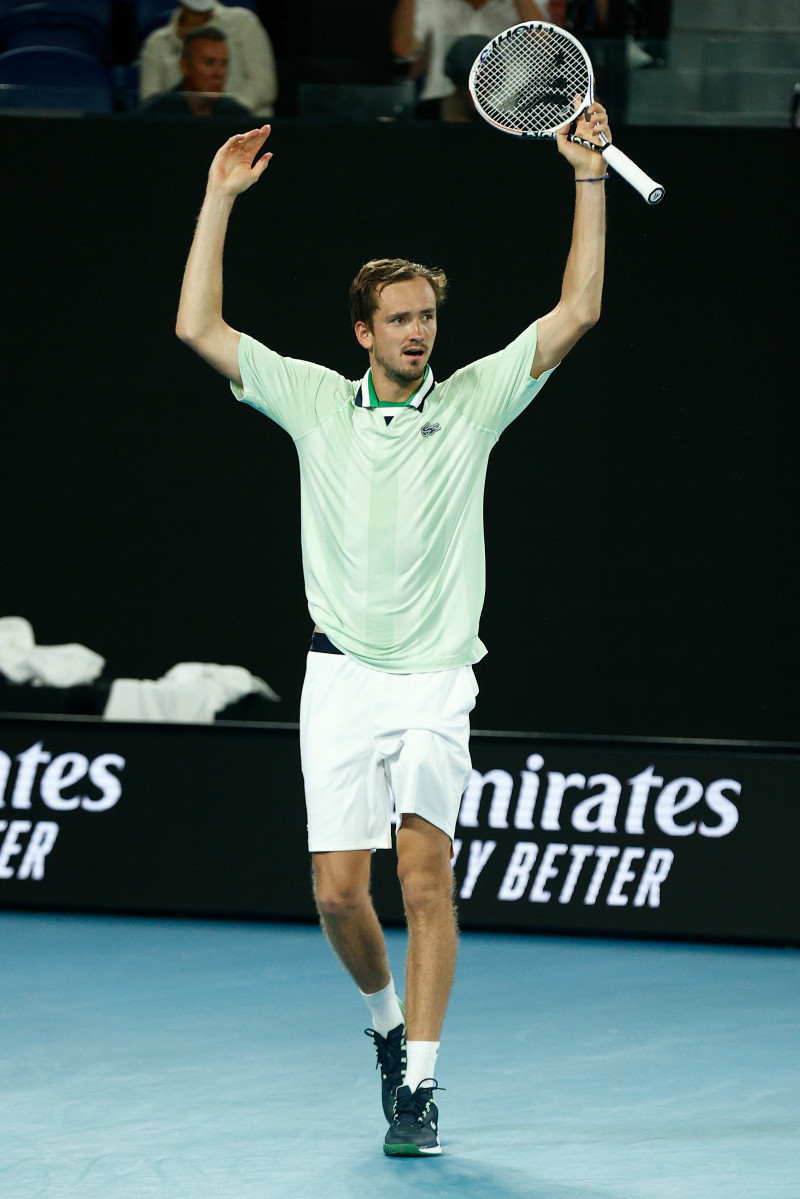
x=640 y=518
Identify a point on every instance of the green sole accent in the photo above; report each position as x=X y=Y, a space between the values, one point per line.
x=409 y=1151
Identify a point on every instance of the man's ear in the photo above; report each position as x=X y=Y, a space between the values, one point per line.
x=363 y=335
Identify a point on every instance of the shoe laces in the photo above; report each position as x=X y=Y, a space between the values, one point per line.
x=413 y=1107
x=390 y=1051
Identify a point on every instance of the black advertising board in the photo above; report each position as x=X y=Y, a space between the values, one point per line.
x=152 y=818
x=623 y=836
x=643 y=838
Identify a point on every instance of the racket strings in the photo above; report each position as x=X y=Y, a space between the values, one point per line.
x=528 y=82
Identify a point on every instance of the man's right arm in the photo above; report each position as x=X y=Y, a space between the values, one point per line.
x=200 y=323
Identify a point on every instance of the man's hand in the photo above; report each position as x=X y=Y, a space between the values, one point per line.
x=200 y=323
x=591 y=124
x=233 y=169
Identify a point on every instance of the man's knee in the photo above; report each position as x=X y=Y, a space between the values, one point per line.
x=423 y=867
x=341 y=884
x=425 y=889
x=423 y=864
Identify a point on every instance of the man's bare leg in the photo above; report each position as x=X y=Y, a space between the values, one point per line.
x=341 y=891
x=423 y=864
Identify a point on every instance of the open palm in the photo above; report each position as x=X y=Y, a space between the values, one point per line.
x=233 y=169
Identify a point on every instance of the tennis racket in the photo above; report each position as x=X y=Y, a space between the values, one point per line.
x=525 y=82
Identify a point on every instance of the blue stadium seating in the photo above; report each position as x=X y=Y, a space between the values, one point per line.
x=81 y=25
x=54 y=78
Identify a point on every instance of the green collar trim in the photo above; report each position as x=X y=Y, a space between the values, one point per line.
x=374 y=402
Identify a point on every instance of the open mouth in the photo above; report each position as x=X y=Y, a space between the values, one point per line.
x=414 y=352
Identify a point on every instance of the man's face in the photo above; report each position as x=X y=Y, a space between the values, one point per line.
x=403 y=330
x=205 y=66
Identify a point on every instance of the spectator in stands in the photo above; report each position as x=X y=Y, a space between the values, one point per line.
x=457 y=67
x=252 y=76
x=424 y=31
x=204 y=72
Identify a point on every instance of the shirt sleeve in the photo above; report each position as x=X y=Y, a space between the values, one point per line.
x=297 y=395
x=493 y=391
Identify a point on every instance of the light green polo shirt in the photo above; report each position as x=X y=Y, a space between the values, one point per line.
x=392 y=514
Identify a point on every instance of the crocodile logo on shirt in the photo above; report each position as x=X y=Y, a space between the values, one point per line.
x=429 y=430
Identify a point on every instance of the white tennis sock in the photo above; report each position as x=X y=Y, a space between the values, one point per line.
x=420 y=1062
x=384 y=1009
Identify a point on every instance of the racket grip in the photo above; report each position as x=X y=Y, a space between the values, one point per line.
x=644 y=185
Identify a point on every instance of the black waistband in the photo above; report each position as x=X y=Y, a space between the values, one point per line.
x=320 y=644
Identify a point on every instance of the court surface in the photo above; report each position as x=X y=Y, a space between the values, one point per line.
x=181 y=1059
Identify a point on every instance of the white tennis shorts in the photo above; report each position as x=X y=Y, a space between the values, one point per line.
x=367 y=736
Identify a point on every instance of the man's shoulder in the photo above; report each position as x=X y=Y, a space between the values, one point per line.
x=165 y=35
x=484 y=383
x=302 y=369
x=233 y=15
x=299 y=395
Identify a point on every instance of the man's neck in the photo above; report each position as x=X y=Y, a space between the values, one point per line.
x=389 y=391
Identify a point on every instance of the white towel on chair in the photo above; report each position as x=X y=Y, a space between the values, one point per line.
x=23 y=661
x=189 y=693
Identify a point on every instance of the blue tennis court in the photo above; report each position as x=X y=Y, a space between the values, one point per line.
x=177 y=1059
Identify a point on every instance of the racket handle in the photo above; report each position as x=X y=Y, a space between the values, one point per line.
x=644 y=185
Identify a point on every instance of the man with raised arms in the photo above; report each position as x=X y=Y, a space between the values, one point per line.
x=392 y=473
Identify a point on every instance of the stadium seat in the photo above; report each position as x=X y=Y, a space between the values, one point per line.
x=52 y=78
x=152 y=14
x=126 y=85
x=81 y=25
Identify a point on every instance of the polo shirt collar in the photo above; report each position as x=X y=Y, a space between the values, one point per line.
x=365 y=396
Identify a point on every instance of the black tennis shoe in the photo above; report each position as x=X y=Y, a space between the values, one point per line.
x=414 y=1130
x=391 y=1051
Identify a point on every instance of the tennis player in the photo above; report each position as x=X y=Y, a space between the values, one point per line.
x=392 y=474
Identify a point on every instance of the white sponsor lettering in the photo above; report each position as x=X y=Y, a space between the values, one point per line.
x=108 y=784
x=31 y=865
x=546 y=872
x=721 y=806
x=561 y=876
x=479 y=854
x=68 y=782
x=528 y=791
x=598 y=813
x=62 y=773
x=683 y=807
x=518 y=871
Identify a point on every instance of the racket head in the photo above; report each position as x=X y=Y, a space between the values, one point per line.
x=524 y=81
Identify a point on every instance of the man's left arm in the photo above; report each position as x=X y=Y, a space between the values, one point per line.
x=578 y=309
